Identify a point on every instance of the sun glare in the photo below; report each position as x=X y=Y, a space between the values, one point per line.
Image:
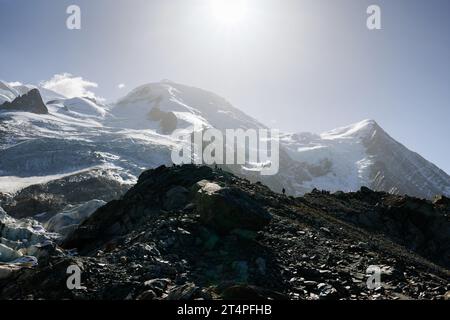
x=229 y=12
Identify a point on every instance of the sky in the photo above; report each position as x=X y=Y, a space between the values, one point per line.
x=295 y=65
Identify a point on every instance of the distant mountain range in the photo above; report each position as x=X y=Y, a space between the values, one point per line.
x=119 y=141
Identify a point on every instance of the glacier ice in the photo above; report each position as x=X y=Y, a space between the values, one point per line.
x=20 y=239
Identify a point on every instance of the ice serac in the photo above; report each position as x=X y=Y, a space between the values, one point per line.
x=22 y=241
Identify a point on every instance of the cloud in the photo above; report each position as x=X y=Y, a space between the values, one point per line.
x=70 y=86
x=15 y=83
x=121 y=86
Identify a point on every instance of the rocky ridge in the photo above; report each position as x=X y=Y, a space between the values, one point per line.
x=29 y=102
x=189 y=232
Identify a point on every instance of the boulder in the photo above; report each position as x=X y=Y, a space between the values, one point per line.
x=226 y=209
x=441 y=201
x=447 y=296
x=176 y=198
x=183 y=292
x=7 y=271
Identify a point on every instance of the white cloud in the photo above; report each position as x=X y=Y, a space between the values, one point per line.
x=15 y=83
x=70 y=86
x=121 y=86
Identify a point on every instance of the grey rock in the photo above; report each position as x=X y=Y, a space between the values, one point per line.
x=29 y=102
x=184 y=292
x=226 y=209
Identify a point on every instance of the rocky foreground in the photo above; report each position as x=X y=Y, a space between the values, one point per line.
x=190 y=232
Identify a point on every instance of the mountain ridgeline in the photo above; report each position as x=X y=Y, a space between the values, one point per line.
x=66 y=136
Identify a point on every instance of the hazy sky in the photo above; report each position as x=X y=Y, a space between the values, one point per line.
x=295 y=65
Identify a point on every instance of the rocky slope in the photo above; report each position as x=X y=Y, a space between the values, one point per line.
x=196 y=232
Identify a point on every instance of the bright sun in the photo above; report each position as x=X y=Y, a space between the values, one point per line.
x=229 y=12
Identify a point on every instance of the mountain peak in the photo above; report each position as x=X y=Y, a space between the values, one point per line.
x=367 y=122
x=29 y=102
x=363 y=128
x=193 y=107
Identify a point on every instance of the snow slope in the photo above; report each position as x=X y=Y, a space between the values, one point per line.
x=343 y=151
x=193 y=107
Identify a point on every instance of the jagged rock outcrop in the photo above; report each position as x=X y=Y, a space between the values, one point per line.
x=29 y=102
x=144 y=247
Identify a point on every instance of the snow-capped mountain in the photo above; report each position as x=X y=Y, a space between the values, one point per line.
x=61 y=158
x=80 y=135
x=363 y=154
x=192 y=107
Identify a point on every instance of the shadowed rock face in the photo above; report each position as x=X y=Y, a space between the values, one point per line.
x=189 y=232
x=29 y=102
